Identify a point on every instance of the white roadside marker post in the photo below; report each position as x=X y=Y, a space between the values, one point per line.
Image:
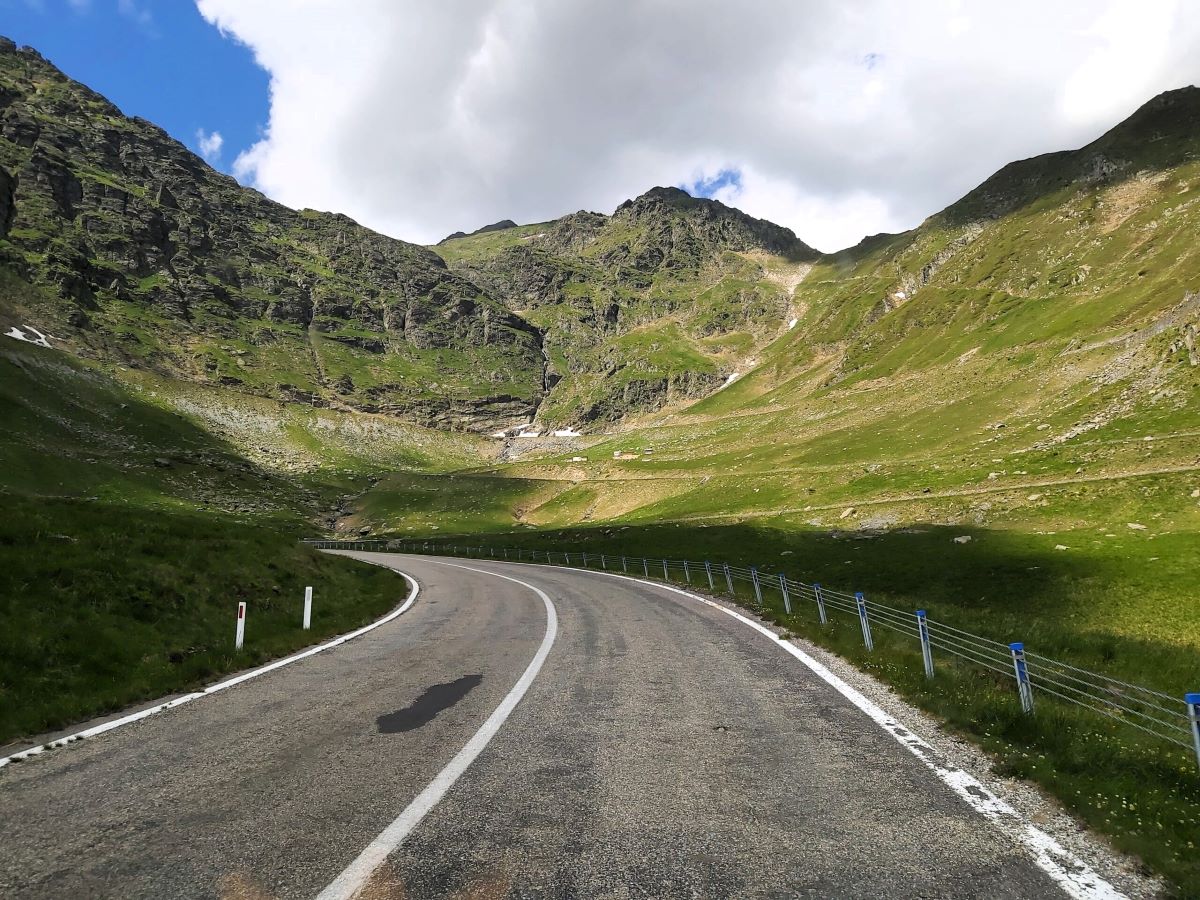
x=308 y=607
x=240 y=636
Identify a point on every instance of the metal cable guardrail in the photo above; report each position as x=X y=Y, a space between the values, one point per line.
x=1171 y=719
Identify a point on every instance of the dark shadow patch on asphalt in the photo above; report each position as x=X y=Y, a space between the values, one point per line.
x=425 y=708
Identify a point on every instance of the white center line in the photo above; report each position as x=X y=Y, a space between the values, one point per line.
x=356 y=875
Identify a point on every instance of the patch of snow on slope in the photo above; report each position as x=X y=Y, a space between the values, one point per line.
x=18 y=334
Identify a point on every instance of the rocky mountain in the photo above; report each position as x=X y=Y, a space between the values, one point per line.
x=127 y=248
x=142 y=254
x=658 y=303
x=1075 y=243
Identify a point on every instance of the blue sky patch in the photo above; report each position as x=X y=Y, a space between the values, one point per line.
x=707 y=187
x=158 y=60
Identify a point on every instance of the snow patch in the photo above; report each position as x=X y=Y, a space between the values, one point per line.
x=792 y=324
x=39 y=340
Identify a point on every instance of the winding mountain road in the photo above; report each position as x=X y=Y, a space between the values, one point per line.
x=654 y=746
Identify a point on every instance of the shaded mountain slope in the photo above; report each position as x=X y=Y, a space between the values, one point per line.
x=149 y=257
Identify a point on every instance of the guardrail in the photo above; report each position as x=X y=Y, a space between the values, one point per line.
x=1171 y=719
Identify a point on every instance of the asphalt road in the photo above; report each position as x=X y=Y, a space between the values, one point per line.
x=663 y=750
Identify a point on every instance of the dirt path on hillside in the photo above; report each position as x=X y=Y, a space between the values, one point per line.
x=947 y=495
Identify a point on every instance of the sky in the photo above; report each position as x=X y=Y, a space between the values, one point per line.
x=158 y=60
x=836 y=118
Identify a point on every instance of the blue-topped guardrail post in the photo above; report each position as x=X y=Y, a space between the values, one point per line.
x=708 y=572
x=926 y=650
x=757 y=586
x=1024 y=688
x=687 y=574
x=820 y=604
x=728 y=578
x=864 y=621
x=1193 y=706
x=787 y=600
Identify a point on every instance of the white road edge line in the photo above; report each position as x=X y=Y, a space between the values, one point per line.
x=356 y=875
x=1073 y=875
x=220 y=685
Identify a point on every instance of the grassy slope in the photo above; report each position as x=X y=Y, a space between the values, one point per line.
x=120 y=575
x=689 y=327
x=257 y=267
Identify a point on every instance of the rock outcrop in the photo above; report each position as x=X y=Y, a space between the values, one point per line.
x=631 y=303
x=159 y=261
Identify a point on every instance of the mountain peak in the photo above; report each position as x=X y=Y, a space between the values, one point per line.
x=1162 y=133
x=502 y=225
x=724 y=226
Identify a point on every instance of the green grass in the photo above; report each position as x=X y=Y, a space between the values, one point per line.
x=105 y=604
x=131 y=534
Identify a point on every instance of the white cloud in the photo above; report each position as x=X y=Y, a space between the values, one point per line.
x=209 y=144
x=844 y=118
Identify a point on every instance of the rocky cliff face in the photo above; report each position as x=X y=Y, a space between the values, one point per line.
x=652 y=305
x=6 y=202
x=150 y=257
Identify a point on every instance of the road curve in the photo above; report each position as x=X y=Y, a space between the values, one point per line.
x=663 y=749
